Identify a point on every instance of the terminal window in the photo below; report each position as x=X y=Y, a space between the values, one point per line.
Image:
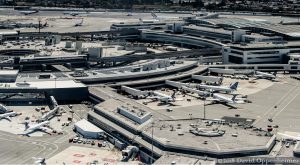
x=236 y=60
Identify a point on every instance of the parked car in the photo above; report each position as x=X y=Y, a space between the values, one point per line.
x=75 y=139
x=99 y=144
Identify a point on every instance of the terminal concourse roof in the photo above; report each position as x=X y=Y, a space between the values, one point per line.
x=255 y=25
x=235 y=22
x=87 y=126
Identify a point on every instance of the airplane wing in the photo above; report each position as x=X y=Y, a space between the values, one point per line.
x=212 y=99
x=179 y=99
x=26 y=133
x=153 y=97
x=40 y=161
x=44 y=129
x=240 y=101
x=8 y=118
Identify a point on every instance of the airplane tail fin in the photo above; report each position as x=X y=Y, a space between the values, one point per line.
x=173 y=95
x=234 y=86
x=8 y=118
x=26 y=125
x=24 y=134
x=153 y=15
x=234 y=97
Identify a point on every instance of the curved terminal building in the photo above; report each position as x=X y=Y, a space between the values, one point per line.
x=154 y=68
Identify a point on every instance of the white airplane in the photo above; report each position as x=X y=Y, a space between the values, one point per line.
x=210 y=16
x=222 y=99
x=231 y=88
x=28 y=12
x=73 y=13
x=163 y=98
x=36 y=127
x=264 y=75
x=4 y=109
x=148 y=20
x=8 y=115
x=40 y=161
x=164 y=17
x=80 y=23
x=200 y=93
x=135 y=92
x=200 y=14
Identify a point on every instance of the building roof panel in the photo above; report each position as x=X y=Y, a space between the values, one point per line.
x=87 y=126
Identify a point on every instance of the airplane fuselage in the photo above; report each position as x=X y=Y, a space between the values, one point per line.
x=223 y=99
x=163 y=97
x=7 y=115
x=264 y=75
x=200 y=93
x=29 y=12
x=38 y=126
x=215 y=88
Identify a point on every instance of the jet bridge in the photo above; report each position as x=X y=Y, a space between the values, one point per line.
x=208 y=79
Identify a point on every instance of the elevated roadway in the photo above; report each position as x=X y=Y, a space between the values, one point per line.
x=260 y=67
x=47 y=60
x=182 y=39
x=159 y=81
x=72 y=34
x=209 y=55
x=205 y=53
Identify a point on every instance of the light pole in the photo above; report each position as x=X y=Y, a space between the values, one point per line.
x=152 y=142
x=55 y=82
x=40 y=20
x=204 y=110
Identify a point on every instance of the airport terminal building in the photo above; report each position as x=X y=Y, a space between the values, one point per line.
x=55 y=84
x=258 y=53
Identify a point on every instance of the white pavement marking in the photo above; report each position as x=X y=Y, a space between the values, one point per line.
x=26 y=142
x=279 y=101
x=283 y=103
x=37 y=141
x=64 y=137
x=218 y=147
x=287 y=104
